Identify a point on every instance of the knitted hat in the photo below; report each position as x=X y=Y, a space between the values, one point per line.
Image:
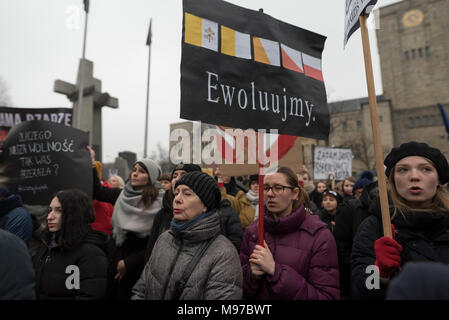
x=360 y=183
x=204 y=186
x=152 y=168
x=418 y=149
x=188 y=167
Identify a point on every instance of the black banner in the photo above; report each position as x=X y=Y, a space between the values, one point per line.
x=244 y=69
x=40 y=158
x=9 y=117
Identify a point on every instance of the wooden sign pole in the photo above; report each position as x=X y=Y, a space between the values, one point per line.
x=261 y=217
x=386 y=221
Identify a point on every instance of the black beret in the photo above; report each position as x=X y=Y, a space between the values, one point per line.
x=418 y=149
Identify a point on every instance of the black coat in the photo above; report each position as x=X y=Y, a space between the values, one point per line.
x=350 y=214
x=421 y=239
x=327 y=218
x=50 y=265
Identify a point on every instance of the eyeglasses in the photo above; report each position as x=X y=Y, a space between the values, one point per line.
x=277 y=189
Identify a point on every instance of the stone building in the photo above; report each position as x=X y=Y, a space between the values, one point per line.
x=414 y=55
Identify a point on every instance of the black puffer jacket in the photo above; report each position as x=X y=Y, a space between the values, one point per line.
x=50 y=265
x=350 y=214
x=327 y=218
x=423 y=236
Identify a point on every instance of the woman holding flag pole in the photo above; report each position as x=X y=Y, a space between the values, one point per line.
x=298 y=258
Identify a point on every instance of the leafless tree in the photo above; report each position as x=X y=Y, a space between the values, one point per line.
x=4 y=94
x=162 y=157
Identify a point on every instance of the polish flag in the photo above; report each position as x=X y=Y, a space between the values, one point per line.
x=291 y=59
x=312 y=67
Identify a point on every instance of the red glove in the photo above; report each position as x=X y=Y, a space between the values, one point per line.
x=388 y=257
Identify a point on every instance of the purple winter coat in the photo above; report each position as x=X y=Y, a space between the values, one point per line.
x=305 y=255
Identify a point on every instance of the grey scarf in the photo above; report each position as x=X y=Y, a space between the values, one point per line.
x=130 y=215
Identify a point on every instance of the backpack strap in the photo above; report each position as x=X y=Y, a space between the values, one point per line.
x=181 y=283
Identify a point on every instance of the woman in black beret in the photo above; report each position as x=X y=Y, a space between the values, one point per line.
x=419 y=209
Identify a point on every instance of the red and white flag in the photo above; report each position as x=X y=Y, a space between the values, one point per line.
x=312 y=67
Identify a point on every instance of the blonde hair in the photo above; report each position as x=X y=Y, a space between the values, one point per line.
x=440 y=201
x=120 y=181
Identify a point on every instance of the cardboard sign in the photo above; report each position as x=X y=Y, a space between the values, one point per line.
x=337 y=162
x=244 y=69
x=40 y=158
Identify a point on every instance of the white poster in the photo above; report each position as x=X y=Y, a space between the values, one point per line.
x=353 y=10
x=332 y=161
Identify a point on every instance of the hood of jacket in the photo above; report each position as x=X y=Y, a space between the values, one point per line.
x=97 y=238
x=9 y=202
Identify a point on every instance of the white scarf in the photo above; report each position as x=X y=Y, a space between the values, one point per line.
x=253 y=197
x=130 y=215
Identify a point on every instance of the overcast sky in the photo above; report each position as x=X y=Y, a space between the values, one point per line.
x=41 y=41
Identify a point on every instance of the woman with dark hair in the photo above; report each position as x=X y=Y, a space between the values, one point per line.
x=192 y=261
x=299 y=257
x=135 y=207
x=71 y=263
x=328 y=212
x=419 y=212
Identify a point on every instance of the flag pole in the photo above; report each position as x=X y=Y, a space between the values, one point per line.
x=260 y=237
x=145 y=144
x=386 y=221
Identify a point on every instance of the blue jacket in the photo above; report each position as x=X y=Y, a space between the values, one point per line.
x=15 y=218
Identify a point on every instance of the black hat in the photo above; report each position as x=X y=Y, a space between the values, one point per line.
x=360 y=183
x=418 y=149
x=253 y=177
x=331 y=193
x=188 y=167
x=204 y=186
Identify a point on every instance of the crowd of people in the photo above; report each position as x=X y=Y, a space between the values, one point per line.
x=187 y=235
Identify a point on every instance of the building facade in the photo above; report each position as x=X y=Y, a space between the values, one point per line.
x=414 y=56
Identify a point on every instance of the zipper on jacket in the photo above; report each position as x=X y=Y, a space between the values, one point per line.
x=171 y=269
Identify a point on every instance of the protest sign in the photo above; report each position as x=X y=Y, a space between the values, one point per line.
x=40 y=158
x=9 y=117
x=239 y=151
x=335 y=161
x=357 y=15
x=244 y=69
x=353 y=10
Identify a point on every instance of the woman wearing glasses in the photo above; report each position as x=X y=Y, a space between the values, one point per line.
x=299 y=256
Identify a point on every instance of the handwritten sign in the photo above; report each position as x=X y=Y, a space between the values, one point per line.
x=41 y=157
x=353 y=10
x=337 y=162
x=9 y=117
